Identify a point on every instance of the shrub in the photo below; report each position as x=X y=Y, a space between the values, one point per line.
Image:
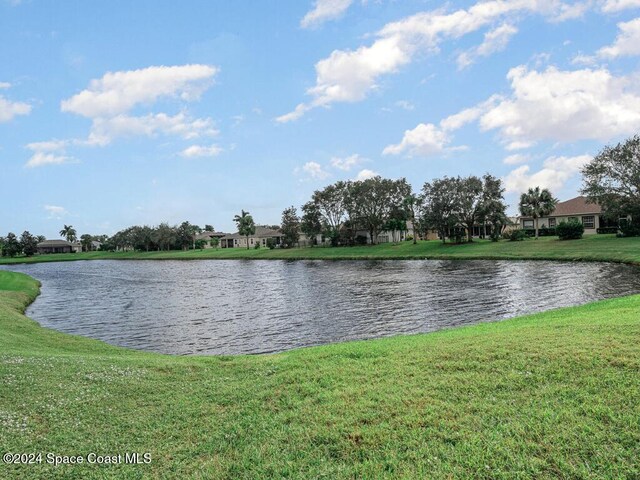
x=630 y=228
x=257 y=245
x=570 y=230
x=604 y=230
x=361 y=240
x=271 y=244
x=408 y=238
x=515 y=235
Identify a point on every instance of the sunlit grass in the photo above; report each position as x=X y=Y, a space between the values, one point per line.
x=554 y=395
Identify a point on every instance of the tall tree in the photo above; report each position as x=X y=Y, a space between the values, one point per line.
x=536 y=203
x=494 y=210
x=246 y=225
x=69 y=233
x=11 y=246
x=209 y=228
x=612 y=179
x=290 y=227
x=377 y=198
x=470 y=202
x=164 y=236
x=28 y=244
x=412 y=204
x=441 y=205
x=85 y=241
x=330 y=202
x=311 y=222
x=185 y=235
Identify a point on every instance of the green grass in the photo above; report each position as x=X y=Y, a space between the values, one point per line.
x=554 y=395
x=592 y=247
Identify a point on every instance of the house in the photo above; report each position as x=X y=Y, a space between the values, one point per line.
x=260 y=237
x=577 y=209
x=207 y=236
x=58 y=246
x=95 y=245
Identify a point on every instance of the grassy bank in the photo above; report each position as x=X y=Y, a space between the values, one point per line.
x=554 y=395
x=593 y=247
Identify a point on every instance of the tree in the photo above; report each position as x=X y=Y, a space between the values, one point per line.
x=311 y=222
x=290 y=227
x=441 y=205
x=215 y=241
x=493 y=210
x=164 y=236
x=28 y=244
x=537 y=203
x=185 y=235
x=330 y=202
x=246 y=225
x=209 y=228
x=376 y=198
x=470 y=202
x=412 y=204
x=69 y=233
x=85 y=241
x=612 y=180
x=11 y=246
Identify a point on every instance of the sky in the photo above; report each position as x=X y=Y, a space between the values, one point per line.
x=121 y=113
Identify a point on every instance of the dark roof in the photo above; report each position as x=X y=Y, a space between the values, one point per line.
x=208 y=235
x=55 y=243
x=576 y=206
x=261 y=232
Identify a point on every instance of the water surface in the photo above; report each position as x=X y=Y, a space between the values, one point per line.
x=254 y=306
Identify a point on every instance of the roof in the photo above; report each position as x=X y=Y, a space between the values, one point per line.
x=261 y=232
x=55 y=243
x=576 y=206
x=209 y=235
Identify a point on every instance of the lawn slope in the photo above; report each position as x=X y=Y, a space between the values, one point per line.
x=554 y=395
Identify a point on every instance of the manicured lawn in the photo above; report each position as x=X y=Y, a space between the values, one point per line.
x=555 y=395
x=593 y=247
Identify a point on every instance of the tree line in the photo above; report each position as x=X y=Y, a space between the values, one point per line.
x=450 y=206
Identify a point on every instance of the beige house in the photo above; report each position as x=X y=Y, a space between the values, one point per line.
x=208 y=236
x=261 y=236
x=577 y=209
x=58 y=246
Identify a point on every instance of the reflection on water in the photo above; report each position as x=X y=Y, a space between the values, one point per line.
x=229 y=307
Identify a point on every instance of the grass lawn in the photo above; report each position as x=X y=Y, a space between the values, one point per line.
x=593 y=247
x=554 y=395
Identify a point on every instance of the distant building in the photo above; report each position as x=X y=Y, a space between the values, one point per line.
x=577 y=209
x=261 y=236
x=58 y=246
x=208 y=236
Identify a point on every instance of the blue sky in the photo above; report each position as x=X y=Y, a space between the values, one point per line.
x=120 y=113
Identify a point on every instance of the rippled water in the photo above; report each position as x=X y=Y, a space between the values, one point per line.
x=229 y=307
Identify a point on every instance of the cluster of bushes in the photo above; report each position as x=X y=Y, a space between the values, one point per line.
x=570 y=230
x=515 y=235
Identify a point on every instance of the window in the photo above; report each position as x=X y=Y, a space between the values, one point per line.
x=552 y=223
x=589 y=221
x=264 y=242
x=527 y=224
x=252 y=241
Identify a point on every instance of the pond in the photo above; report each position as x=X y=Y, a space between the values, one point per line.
x=253 y=306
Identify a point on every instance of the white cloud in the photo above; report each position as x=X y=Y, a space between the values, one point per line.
x=366 y=174
x=56 y=212
x=494 y=41
x=201 y=151
x=553 y=175
x=9 y=109
x=39 y=159
x=613 y=6
x=48 y=146
x=627 y=42
x=105 y=130
x=516 y=159
x=118 y=92
x=405 y=105
x=324 y=10
x=347 y=163
x=314 y=170
x=350 y=75
x=4 y=85
x=423 y=141
x=564 y=106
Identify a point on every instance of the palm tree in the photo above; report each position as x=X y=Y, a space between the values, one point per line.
x=69 y=233
x=537 y=203
x=245 y=224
